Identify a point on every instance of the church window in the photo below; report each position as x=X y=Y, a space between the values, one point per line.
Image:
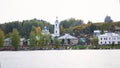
x=56 y=25
x=56 y=31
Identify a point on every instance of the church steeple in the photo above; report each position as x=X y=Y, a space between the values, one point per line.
x=56 y=28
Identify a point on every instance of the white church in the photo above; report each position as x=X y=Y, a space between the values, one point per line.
x=73 y=40
x=56 y=28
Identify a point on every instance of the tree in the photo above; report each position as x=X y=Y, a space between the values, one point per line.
x=45 y=39
x=39 y=36
x=94 y=41
x=1 y=38
x=15 y=39
x=33 y=41
x=57 y=42
x=63 y=41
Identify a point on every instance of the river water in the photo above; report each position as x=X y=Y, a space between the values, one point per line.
x=60 y=59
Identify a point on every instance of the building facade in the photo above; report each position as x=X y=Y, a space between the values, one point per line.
x=68 y=39
x=109 y=38
x=97 y=32
x=56 y=28
x=45 y=30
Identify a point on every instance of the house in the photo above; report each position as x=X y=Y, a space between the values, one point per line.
x=7 y=42
x=117 y=29
x=68 y=39
x=22 y=40
x=97 y=32
x=109 y=38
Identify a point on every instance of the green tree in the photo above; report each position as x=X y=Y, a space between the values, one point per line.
x=33 y=40
x=94 y=40
x=1 y=38
x=45 y=39
x=15 y=39
x=57 y=42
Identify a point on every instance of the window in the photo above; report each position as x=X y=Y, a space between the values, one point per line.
x=105 y=38
x=101 y=38
x=56 y=25
x=118 y=38
x=105 y=42
x=56 y=31
x=118 y=42
x=109 y=42
x=114 y=38
x=101 y=42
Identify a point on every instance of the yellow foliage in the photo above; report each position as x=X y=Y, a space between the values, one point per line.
x=38 y=30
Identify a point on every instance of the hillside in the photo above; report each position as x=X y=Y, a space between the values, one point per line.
x=72 y=26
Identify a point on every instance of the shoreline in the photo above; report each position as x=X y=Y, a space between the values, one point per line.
x=59 y=50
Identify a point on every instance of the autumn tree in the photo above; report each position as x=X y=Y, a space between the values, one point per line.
x=15 y=39
x=38 y=36
x=1 y=38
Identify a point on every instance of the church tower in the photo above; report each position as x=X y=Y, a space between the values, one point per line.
x=56 y=28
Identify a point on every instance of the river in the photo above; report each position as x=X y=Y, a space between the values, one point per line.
x=60 y=59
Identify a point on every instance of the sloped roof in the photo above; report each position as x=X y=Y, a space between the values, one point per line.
x=110 y=34
x=67 y=36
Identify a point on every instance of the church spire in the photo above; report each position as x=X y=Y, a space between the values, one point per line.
x=56 y=28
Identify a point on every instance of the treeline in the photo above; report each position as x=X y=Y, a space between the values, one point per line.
x=88 y=29
x=24 y=28
x=73 y=26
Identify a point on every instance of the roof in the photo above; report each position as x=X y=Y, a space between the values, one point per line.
x=110 y=34
x=7 y=39
x=45 y=28
x=67 y=36
x=97 y=31
x=82 y=39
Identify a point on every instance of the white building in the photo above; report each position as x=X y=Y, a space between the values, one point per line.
x=97 y=32
x=66 y=37
x=22 y=40
x=109 y=38
x=45 y=30
x=56 y=28
x=7 y=42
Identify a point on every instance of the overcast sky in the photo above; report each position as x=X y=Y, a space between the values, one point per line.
x=93 y=10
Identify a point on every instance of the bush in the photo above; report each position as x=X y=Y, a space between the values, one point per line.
x=106 y=47
x=90 y=47
x=116 y=46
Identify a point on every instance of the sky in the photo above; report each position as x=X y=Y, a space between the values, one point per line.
x=86 y=10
